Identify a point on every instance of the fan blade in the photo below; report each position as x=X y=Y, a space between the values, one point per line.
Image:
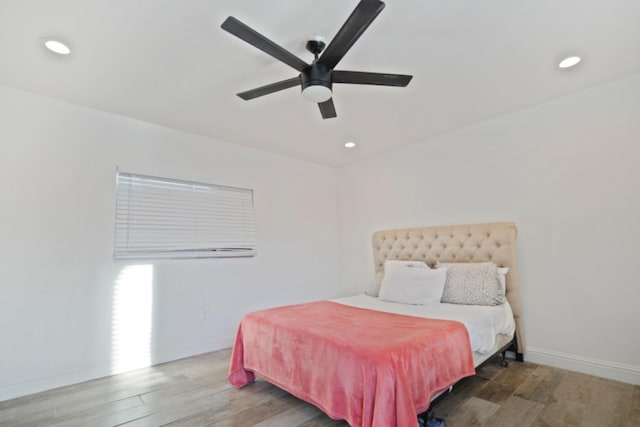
x=361 y=78
x=327 y=109
x=270 y=88
x=359 y=20
x=243 y=32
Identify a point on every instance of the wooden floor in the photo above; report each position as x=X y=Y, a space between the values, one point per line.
x=195 y=392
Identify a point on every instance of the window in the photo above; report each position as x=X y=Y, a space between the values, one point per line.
x=167 y=218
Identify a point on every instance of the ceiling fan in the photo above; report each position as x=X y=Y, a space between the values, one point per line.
x=317 y=78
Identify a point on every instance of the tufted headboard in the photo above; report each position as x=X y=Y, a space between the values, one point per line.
x=494 y=242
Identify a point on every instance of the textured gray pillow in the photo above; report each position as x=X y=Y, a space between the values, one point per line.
x=472 y=283
x=374 y=286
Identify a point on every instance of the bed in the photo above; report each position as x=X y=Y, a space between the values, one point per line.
x=377 y=363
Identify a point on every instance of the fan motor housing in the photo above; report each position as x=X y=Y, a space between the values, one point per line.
x=316 y=74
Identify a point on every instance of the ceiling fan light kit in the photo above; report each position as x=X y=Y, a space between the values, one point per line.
x=316 y=93
x=316 y=82
x=316 y=79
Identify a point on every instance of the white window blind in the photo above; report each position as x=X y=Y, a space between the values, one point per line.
x=167 y=218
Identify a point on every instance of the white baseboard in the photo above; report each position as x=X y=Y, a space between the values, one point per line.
x=602 y=368
x=159 y=356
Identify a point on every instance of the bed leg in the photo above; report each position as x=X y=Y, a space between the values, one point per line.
x=504 y=362
x=514 y=348
x=428 y=419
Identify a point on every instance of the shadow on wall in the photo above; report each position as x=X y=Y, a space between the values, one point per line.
x=132 y=318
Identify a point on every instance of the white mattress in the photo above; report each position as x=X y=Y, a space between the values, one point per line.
x=487 y=326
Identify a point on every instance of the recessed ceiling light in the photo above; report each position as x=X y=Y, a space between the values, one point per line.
x=350 y=144
x=569 y=62
x=57 y=47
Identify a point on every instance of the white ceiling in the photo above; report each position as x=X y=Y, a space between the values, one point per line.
x=168 y=62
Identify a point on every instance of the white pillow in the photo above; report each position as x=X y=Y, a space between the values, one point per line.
x=393 y=262
x=502 y=275
x=411 y=285
x=373 y=289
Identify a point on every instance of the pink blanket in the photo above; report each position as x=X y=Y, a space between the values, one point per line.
x=367 y=367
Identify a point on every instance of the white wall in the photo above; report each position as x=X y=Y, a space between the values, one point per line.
x=567 y=172
x=57 y=276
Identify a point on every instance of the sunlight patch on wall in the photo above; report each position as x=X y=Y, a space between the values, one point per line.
x=131 y=319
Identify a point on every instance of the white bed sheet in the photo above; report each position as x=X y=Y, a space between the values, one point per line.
x=485 y=324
